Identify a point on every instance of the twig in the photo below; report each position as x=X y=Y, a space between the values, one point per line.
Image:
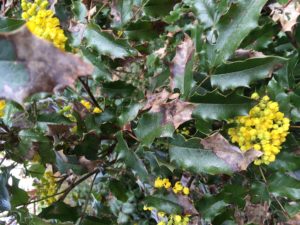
x=87 y=199
x=280 y=205
x=73 y=185
x=297 y=127
x=88 y=90
x=66 y=191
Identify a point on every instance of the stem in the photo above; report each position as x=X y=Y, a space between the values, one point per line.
x=88 y=90
x=73 y=185
x=87 y=199
x=66 y=191
x=280 y=205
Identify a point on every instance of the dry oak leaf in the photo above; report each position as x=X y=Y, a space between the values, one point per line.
x=30 y=65
x=231 y=154
x=184 y=53
x=286 y=15
x=175 y=112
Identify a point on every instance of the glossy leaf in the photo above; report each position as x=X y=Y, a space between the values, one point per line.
x=105 y=43
x=244 y=73
x=232 y=28
x=216 y=107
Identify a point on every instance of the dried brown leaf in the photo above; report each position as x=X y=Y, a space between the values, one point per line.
x=156 y=99
x=286 y=15
x=45 y=68
x=252 y=213
x=184 y=53
x=175 y=112
x=231 y=154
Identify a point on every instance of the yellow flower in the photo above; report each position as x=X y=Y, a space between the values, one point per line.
x=161 y=223
x=264 y=129
x=186 y=191
x=97 y=110
x=255 y=96
x=42 y=22
x=161 y=214
x=86 y=104
x=2 y=107
x=158 y=183
x=177 y=219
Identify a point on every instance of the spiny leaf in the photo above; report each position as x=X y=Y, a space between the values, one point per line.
x=205 y=11
x=31 y=65
x=214 y=106
x=244 y=73
x=232 y=28
x=151 y=126
x=105 y=43
x=131 y=159
x=189 y=155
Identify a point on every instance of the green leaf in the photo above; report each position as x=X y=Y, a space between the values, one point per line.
x=118 y=190
x=4 y=195
x=123 y=11
x=79 y=11
x=117 y=89
x=163 y=204
x=45 y=148
x=282 y=185
x=129 y=113
x=151 y=126
x=244 y=73
x=53 y=118
x=101 y=71
x=217 y=107
x=89 y=147
x=18 y=195
x=131 y=159
x=8 y=24
x=232 y=28
x=205 y=11
x=188 y=155
x=157 y=8
x=211 y=206
x=90 y=220
x=60 y=211
x=141 y=30
x=105 y=43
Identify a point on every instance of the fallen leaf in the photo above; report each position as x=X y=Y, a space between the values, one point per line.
x=187 y=205
x=31 y=65
x=286 y=15
x=175 y=112
x=184 y=53
x=252 y=213
x=156 y=99
x=231 y=154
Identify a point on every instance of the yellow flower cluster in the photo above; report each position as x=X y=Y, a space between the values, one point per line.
x=90 y=108
x=43 y=23
x=172 y=219
x=2 y=107
x=264 y=129
x=178 y=188
x=47 y=187
x=185 y=131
